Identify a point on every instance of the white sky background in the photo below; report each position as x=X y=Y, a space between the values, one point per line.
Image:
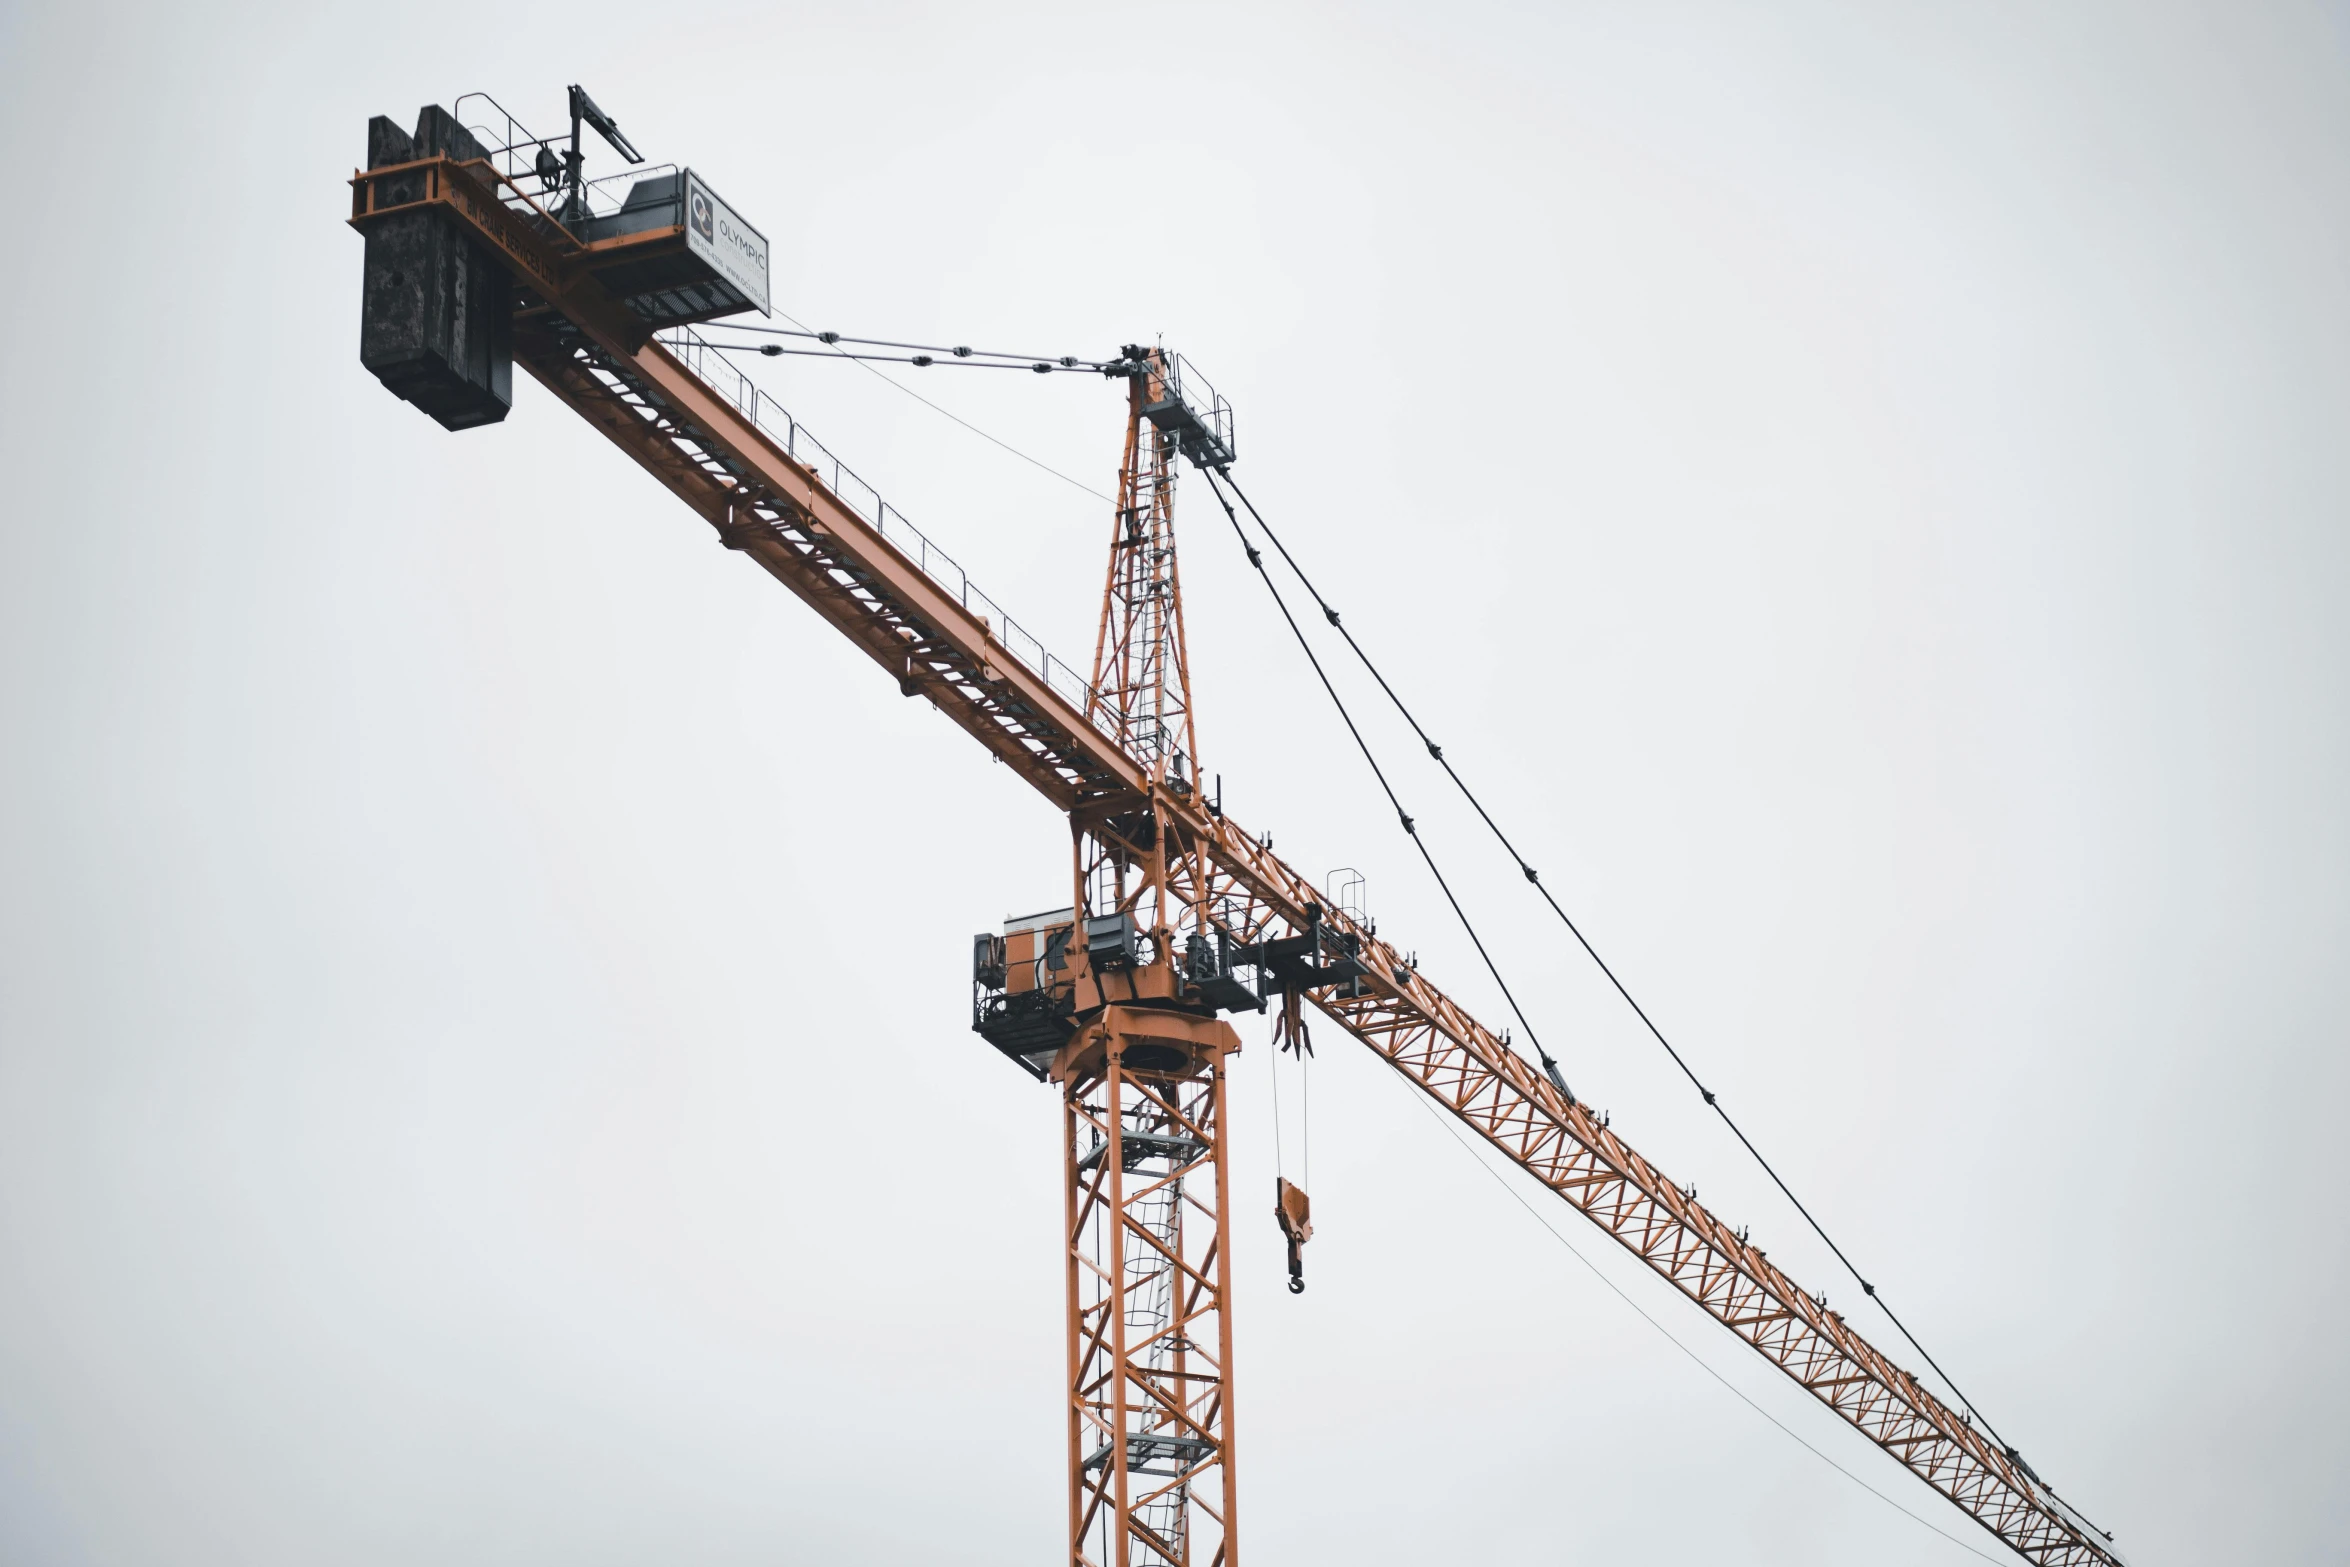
x=483 y=1058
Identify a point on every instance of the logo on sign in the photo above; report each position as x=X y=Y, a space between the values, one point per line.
x=700 y=215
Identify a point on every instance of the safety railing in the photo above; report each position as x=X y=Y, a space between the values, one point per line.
x=514 y=154
x=714 y=370
x=1188 y=387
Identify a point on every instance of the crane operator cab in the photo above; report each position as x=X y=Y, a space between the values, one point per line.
x=1044 y=977
x=1051 y=992
x=1037 y=982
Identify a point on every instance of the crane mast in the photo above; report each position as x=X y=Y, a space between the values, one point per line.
x=1114 y=999
x=1151 y=1481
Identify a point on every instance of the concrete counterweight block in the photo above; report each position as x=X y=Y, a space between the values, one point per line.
x=436 y=322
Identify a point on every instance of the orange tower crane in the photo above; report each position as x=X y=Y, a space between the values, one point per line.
x=485 y=246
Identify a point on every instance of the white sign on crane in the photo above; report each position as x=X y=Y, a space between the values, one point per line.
x=714 y=232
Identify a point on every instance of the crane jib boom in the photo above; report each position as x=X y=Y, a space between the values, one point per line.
x=778 y=501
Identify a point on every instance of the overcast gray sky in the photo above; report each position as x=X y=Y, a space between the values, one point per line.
x=483 y=1059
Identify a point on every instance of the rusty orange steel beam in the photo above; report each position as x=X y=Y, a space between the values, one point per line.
x=815 y=543
x=773 y=503
x=1456 y=1060
x=774 y=509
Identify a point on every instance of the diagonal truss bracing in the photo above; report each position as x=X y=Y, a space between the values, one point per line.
x=779 y=510
x=781 y=515
x=1150 y=1341
x=1461 y=1064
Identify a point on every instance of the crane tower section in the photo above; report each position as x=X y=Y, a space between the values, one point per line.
x=1114 y=1000
x=1148 y=1263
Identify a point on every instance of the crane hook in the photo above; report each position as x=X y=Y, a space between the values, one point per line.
x=1289 y=1025
x=1294 y=1214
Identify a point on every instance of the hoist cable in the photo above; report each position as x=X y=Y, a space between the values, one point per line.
x=1305 y=1117
x=1273 y=1076
x=1411 y=830
x=1436 y=752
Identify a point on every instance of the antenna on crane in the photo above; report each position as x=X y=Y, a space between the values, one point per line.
x=584 y=110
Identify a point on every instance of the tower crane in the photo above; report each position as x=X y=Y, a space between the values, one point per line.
x=485 y=246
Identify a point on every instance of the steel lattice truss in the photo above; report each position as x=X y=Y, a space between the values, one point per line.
x=776 y=511
x=1150 y=1342
x=780 y=511
x=1141 y=671
x=1150 y=1346
x=1439 y=1047
x=1423 y=1033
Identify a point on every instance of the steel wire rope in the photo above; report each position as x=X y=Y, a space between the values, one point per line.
x=1411 y=829
x=961 y=352
x=1534 y=879
x=1550 y=1065
x=1273 y=1076
x=993 y=440
x=925 y=361
x=1502 y=1179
